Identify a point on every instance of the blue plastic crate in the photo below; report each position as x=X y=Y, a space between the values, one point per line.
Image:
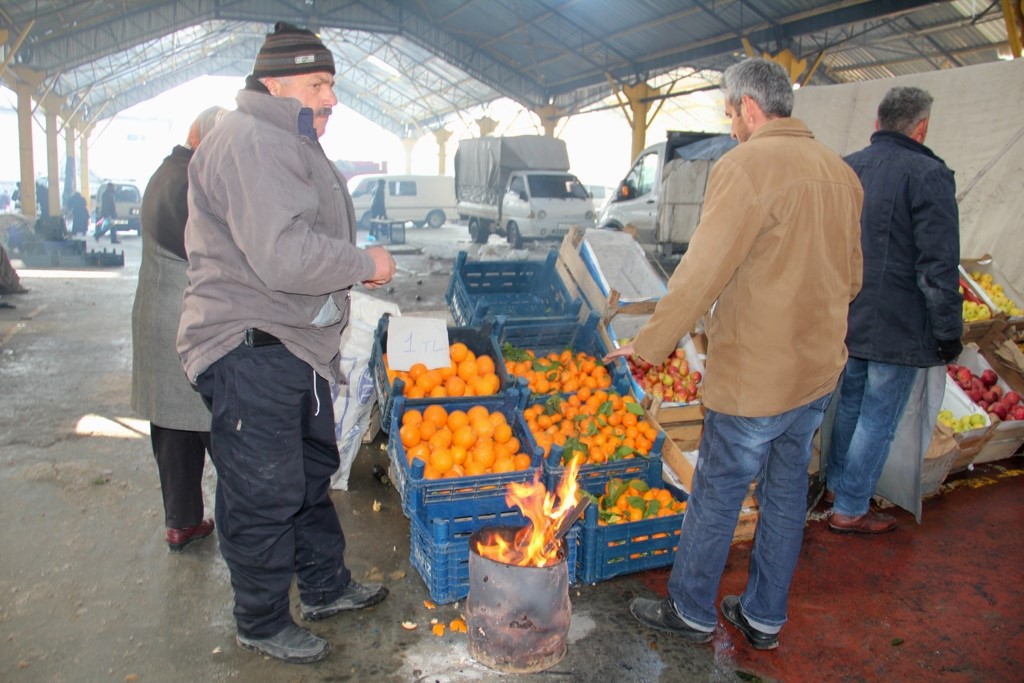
x=440 y=551
x=479 y=340
x=616 y=549
x=543 y=336
x=480 y=290
x=455 y=497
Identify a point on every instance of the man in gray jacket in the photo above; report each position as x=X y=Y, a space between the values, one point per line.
x=272 y=258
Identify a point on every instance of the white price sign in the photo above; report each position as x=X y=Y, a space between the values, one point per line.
x=417 y=340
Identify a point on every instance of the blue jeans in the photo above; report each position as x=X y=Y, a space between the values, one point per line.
x=872 y=399
x=773 y=451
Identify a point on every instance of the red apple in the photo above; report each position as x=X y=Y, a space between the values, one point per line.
x=1018 y=412
x=963 y=375
x=997 y=390
x=990 y=396
x=1012 y=398
x=975 y=394
x=999 y=410
x=988 y=378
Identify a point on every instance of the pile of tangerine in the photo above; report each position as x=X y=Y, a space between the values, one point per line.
x=461 y=443
x=468 y=375
x=564 y=372
x=599 y=426
x=635 y=500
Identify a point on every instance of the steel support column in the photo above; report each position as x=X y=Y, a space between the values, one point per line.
x=441 y=135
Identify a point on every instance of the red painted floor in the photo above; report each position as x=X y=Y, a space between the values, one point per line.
x=940 y=601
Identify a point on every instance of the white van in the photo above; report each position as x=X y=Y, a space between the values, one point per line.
x=679 y=166
x=426 y=200
x=127 y=204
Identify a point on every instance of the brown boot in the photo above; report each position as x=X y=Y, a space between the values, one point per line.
x=868 y=523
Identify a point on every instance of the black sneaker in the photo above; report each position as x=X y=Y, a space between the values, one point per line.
x=293 y=645
x=661 y=614
x=759 y=640
x=355 y=596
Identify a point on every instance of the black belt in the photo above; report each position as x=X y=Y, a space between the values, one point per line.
x=255 y=337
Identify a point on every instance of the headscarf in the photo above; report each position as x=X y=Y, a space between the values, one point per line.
x=203 y=124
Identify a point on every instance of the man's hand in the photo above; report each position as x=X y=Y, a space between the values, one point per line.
x=623 y=351
x=949 y=349
x=383 y=267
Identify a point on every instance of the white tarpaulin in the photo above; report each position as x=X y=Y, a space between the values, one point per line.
x=975 y=127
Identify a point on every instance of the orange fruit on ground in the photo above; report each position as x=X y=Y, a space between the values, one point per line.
x=437 y=414
x=456 y=419
x=410 y=434
x=413 y=416
x=457 y=351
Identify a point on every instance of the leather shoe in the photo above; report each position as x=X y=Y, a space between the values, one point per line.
x=759 y=640
x=661 y=614
x=355 y=596
x=868 y=523
x=179 y=539
x=292 y=644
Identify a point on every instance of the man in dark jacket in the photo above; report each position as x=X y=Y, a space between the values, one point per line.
x=908 y=313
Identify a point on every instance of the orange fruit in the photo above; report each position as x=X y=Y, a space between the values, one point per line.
x=455 y=386
x=416 y=370
x=477 y=412
x=438 y=392
x=420 y=450
x=467 y=371
x=521 y=461
x=482 y=386
x=437 y=414
x=427 y=429
x=483 y=453
x=456 y=419
x=502 y=433
x=513 y=445
x=473 y=467
x=459 y=455
x=484 y=365
x=465 y=436
x=431 y=473
x=441 y=460
x=413 y=391
x=483 y=428
x=502 y=465
x=457 y=352
x=414 y=416
x=410 y=435
x=497 y=418
x=442 y=438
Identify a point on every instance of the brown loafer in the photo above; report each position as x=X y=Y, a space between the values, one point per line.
x=868 y=523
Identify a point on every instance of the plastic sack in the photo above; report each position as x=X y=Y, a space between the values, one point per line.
x=354 y=401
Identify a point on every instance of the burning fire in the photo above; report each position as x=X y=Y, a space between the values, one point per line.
x=534 y=545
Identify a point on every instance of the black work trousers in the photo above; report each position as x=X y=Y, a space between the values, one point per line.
x=274 y=449
x=180 y=458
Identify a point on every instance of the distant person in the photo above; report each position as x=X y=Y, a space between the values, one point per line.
x=5 y=200
x=271 y=245
x=43 y=199
x=377 y=209
x=108 y=212
x=79 y=214
x=179 y=420
x=909 y=314
x=781 y=215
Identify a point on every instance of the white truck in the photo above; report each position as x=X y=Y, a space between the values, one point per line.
x=663 y=193
x=520 y=188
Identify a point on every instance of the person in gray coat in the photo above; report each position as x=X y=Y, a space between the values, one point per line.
x=161 y=393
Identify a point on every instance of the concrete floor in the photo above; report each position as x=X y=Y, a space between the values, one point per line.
x=89 y=592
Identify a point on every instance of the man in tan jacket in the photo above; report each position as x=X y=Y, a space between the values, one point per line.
x=772 y=267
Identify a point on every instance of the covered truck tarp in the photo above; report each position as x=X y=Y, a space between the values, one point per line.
x=975 y=127
x=483 y=165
